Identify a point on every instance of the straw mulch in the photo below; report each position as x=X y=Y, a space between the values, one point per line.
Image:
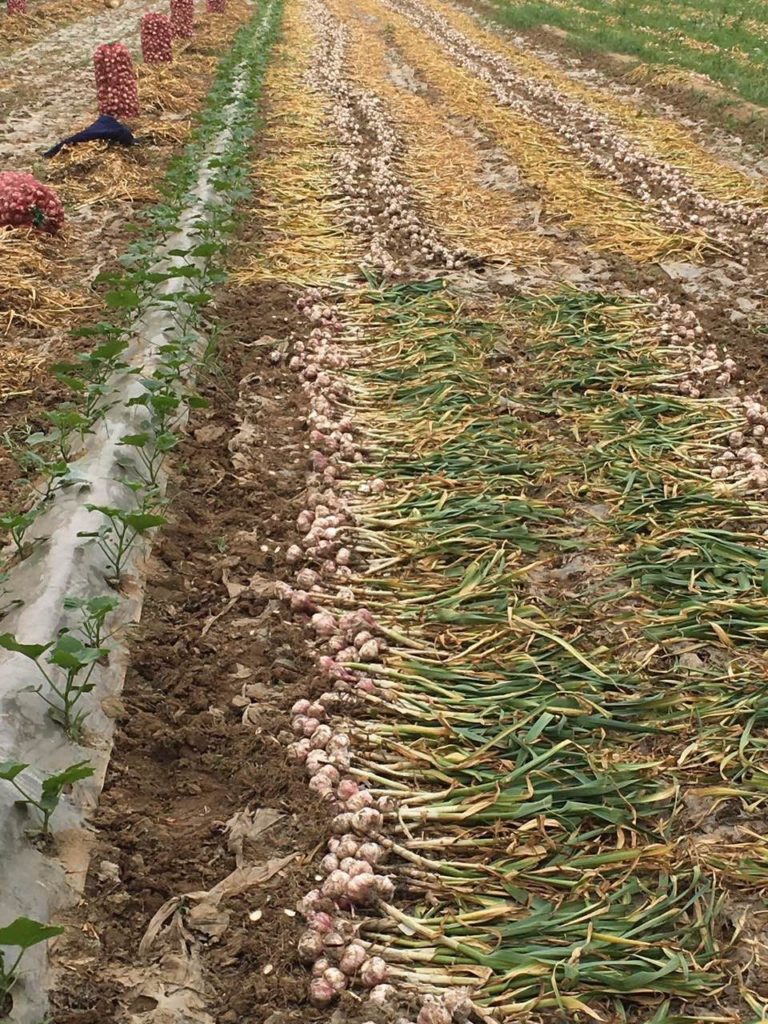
x=33 y=292
x=20 y=30
x=302 y=219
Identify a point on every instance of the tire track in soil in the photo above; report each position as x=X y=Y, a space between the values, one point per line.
x=184 y=759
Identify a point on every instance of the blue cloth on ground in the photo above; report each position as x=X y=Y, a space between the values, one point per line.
x=105 y=127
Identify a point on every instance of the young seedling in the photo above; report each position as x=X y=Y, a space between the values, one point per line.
x=186 y=305
x=184 y=302
x=176 y=356
x=23 y=933
x=54 y=471
x=16 y=525
x=129 y=289
x=51 y=790
x=151 y=450
x=94 y=612
x=90 y=376
x=118 y=534
x=76 y=661
x=33 y=463
x=160 y=401
x=65 y=421
x=162 y=220
x=101 y=362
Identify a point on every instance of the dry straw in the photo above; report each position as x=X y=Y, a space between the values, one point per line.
x=659 y=137
x=303 y=237
x=31 y=267
x=610 y=218
x=20 y=31
x=459 y=196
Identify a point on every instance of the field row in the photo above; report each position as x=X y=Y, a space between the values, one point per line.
x=446 y=704
x=707 y=37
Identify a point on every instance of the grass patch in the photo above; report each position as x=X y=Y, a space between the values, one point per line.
x=726 y=42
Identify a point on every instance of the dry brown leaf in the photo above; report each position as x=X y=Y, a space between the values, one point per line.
x=208 y=919
x=246 y=826
x=240 y=880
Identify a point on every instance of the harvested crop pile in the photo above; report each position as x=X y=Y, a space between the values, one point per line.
x=26 y=202
x=116 y=86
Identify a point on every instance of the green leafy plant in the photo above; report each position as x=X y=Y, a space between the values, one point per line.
x=76 y=662
x=175 y=357
x=51 y=790
x=23 y=933
x=16 y=525
x=151 y=450
x=65 y=421
x=161 y=402
x=89 y=377
x=118 y=534
x=94 y=612
x=50 y=468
